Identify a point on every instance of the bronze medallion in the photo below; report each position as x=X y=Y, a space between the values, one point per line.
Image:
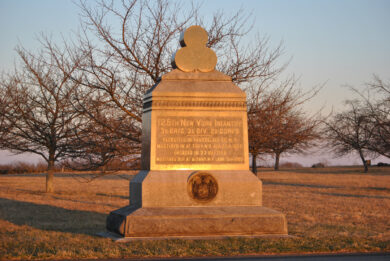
x=202 y=187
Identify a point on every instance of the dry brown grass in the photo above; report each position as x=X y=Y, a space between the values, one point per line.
x=328 y=210
x=319 y=203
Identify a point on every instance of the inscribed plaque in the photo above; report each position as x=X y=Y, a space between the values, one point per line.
x=199 y=140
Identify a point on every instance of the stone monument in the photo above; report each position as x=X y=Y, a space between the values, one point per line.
x=195 y=179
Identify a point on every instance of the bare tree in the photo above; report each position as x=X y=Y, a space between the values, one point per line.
x=375 y=102
x=136 y=40
x=104 y=80
x=99 y=144
x=379 y=113
x=277 y=123
x=3 y=106
x=351 y=131
x=294 y=133
x=37 y=115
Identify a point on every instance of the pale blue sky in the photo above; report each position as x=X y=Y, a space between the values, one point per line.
x=336 y=41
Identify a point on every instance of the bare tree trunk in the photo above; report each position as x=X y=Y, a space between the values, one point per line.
x=364 y=161
x=254 y=164
x=277 y=156
x=50 y=176
x=49 y=181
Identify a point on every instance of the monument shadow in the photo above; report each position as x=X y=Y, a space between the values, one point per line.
x=51 y=218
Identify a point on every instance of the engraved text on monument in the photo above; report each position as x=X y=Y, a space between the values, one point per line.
x=197 y=140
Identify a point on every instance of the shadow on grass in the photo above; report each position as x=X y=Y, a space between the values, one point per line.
x=81 y=177
x=265 y=182
x=112 y=196
x=333 y=187
x=46 y=217
x=58 y=196
x=377 y=188
x=88 y=202
x=339 y=170
x=351 y=195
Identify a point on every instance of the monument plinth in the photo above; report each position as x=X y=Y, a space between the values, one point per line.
x=195 y=178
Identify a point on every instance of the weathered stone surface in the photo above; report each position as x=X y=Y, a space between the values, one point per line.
x=198 y=221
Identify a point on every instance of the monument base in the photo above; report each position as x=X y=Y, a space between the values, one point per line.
x=196 y=221
x=169 y=188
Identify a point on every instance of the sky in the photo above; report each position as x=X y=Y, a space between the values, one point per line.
x=332 y=42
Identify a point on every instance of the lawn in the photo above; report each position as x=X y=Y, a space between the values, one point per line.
x=328 y=210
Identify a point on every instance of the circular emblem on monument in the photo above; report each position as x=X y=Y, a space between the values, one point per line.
x=202 y=187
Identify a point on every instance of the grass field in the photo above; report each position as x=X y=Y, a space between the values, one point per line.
x=328 y=210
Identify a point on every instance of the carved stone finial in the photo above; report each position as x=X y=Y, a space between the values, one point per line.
x=194 y=56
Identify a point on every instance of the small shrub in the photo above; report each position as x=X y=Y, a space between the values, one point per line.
x=22 y=167
x=318 y=165
x=382 y=164
x=290 y=165
x=4 y=171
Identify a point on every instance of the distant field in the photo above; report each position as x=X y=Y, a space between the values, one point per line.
x=328 y=210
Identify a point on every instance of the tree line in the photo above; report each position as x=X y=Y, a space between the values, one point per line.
x=80 y=101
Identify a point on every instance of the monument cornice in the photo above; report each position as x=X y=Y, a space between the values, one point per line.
x=241 y=105
x=196 y=76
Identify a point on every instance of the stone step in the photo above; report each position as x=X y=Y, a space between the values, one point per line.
x=197 y=221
